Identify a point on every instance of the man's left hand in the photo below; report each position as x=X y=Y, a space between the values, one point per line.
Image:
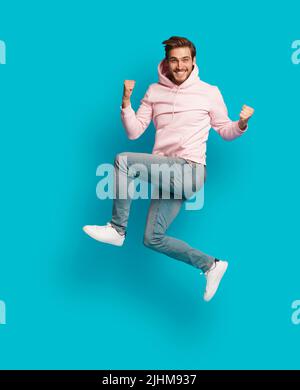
x=245 y=115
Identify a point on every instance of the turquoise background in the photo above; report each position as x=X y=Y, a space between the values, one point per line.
x=73 y=303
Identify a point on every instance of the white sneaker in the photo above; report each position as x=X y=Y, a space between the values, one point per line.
x=106 y=233
x=213 y=278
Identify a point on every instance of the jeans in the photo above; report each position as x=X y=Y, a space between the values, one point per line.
x=170 y=192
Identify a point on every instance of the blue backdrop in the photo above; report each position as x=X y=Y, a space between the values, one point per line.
x=74 y=303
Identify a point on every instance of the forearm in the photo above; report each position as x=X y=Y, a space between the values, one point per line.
x=132 y=123
x=230 y=130
x=136 y=123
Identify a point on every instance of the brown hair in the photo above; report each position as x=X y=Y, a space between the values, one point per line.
x=174 y=42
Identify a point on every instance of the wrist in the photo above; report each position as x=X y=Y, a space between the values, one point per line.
x=125 y=102
x=242 y=124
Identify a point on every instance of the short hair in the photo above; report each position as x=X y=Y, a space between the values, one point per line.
x=174 y=42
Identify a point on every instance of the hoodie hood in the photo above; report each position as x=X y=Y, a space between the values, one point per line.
x=164 y=80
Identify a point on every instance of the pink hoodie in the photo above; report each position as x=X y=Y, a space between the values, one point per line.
x=182 y=115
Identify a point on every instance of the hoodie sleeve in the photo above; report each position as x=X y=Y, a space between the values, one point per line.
x=220 y=121
x=136 y=123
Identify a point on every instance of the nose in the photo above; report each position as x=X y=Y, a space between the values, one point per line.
x=180 y=66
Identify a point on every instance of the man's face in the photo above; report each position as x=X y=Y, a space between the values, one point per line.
x=180 y=64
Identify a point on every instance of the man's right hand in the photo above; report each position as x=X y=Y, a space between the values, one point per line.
x=128 y=89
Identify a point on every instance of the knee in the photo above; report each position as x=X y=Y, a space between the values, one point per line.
x=147 y=240
x=120 y=158
x=152 y=240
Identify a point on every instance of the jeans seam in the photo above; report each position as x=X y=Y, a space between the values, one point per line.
x=154 y=223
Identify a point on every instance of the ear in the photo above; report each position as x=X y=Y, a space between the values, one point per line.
x=194 y=61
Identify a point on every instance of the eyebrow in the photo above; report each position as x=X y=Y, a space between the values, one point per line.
x=171 y=58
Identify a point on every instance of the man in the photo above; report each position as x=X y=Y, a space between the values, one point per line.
x=183 y=109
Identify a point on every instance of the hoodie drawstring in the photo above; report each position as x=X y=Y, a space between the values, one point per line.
x=174 y=102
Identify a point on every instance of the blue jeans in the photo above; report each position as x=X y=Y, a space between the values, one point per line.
x=163 y=209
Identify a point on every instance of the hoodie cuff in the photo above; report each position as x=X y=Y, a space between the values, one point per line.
x=127 y=110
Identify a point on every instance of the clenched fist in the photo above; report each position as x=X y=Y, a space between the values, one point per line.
x=128 y=88
x=245 y=115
